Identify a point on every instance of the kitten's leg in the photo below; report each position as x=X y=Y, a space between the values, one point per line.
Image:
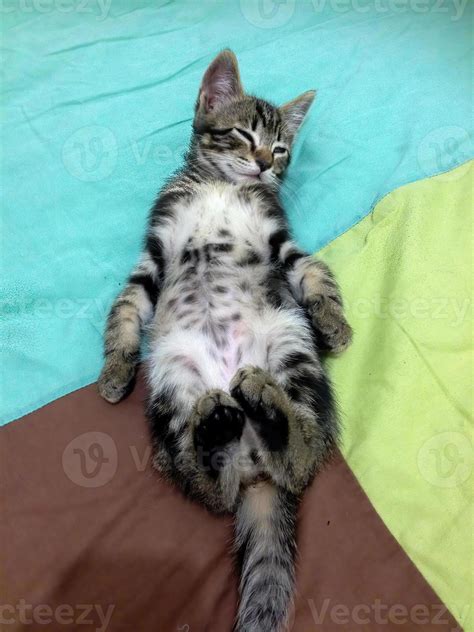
x=294 y=444
x=196 y=431
x=292 y=409
x=314 y=287
x=320 y=294
x=130 y=312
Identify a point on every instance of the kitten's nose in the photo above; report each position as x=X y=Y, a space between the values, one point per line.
x=263 y=164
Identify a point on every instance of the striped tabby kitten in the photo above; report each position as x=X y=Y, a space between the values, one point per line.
x=241 y=412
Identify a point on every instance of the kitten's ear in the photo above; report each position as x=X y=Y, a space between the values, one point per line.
x=293 y=112
x=220 y=84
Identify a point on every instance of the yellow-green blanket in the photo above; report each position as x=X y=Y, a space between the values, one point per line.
x=405 y=386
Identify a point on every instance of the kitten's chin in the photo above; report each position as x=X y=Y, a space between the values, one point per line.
x=248 y=178
x=266 y=177
x=244 y=178
x=269 y=178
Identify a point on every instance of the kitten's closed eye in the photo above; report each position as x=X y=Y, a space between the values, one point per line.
x=221 y=132
x=241 y=132
x=247 y=136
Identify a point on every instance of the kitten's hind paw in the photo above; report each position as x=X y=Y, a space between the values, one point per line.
x=116 y=380
x=265 y=402
x=218 y=420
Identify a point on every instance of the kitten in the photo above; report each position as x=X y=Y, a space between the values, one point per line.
x=241 y=411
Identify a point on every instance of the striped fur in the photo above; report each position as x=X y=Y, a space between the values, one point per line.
x=266 y=549
x=241 y=412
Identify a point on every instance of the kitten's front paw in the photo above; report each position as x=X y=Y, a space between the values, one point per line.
x=333 y=331
x=116 y=380
x=265 y=402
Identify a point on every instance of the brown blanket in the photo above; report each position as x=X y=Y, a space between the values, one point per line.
x=92 y=539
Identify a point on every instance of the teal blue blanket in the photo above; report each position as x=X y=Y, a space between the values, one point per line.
x=98 y=100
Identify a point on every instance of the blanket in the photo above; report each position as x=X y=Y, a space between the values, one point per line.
x=98 y=107
x=98 y=103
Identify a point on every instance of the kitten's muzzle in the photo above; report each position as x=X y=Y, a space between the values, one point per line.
x=263 y=164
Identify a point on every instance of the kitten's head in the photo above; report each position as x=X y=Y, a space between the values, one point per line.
x=239 y=137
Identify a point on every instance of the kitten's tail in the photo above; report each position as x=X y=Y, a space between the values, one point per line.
x=265 y=538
